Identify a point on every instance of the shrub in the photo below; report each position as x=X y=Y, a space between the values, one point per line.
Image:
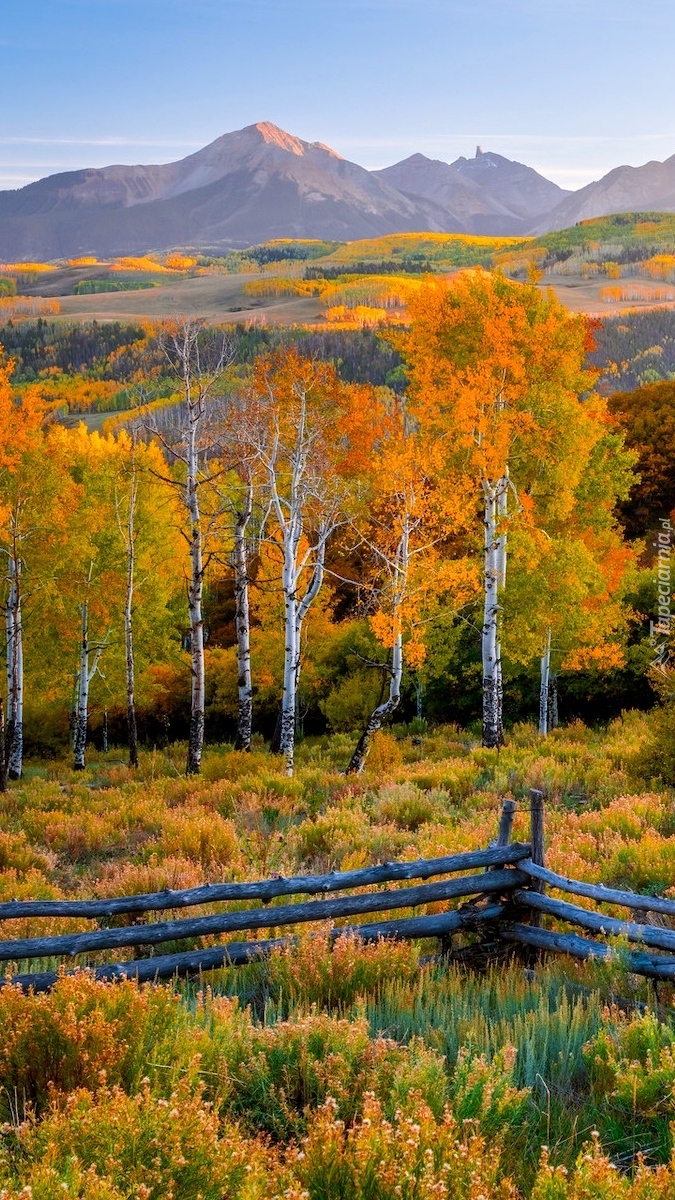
x=631 y=1067
x=108 y=1144
x=60 y=1041
x=406 y=1158
x=312 y=973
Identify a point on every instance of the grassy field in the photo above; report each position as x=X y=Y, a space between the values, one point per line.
x=353 y=1074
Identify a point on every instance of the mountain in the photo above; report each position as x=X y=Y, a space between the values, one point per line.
x=260 y=183
x=487 y=194
x=650 y=188
x=246 y=187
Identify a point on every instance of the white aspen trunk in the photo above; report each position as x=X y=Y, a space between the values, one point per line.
x=9 y=642
x=85 y=675
x=296 y=483
x=545 y=687
x=243 y=626
x=195 y=597
x=500 y=563
x=82 y=706
x=14 y=748
x=3 y=750
x=385 y=710
x=380 y=714
x=292 y=533
x=290 y=686
x=132 y=730
x=295 y=613
x=197 y=369
x=313 y=589
x=493 y=735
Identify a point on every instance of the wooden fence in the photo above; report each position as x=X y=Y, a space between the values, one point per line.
x=502 y=889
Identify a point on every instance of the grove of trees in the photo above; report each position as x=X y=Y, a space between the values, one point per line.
x=267 y=538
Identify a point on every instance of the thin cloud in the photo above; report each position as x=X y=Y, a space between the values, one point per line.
x=106 y=141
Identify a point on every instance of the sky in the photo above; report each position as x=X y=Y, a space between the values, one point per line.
x=571 y=87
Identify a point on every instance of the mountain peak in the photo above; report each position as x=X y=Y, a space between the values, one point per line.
x=274 y=136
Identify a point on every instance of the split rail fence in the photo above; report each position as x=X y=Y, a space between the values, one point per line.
x=502 y=892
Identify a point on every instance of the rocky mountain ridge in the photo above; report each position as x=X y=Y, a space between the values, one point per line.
x=260 y=183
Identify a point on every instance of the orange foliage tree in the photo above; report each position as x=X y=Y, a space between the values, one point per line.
x=498 y=381
x=411 y=515
x=21 y=438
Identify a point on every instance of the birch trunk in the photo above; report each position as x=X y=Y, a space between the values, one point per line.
x=494 y=571
x=9 y=659
x=85 y=676
x=3 y=750
x=553 y=717
x=14 y=746
x=82 y=706
x=198 y=366
x=381 y=713
x=295 y=616
x=502 y=498
x=290 y=685
x=195 y=598
x=545 y=687
x=385 y=710
x=243 y=626
x=132 y=728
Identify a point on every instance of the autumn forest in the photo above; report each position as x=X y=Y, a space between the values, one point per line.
x=259 y=543
x=298 y=607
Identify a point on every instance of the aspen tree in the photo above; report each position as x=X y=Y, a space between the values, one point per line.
x=497 y=372
x=299 y=430
x=410 y=518
x=198 y=360
x=21 y=432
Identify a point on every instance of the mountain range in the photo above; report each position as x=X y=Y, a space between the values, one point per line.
x=260 y=183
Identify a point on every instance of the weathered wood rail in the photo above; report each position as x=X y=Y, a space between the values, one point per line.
x=503 y=890
x=493 y=875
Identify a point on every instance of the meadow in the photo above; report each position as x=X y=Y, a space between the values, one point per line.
x=601 y=266
x=361 y=1072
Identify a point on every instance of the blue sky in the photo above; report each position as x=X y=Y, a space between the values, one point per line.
x=572 y=87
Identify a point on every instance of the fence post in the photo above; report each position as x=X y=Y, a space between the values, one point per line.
x=538 y=843
x=506 y=822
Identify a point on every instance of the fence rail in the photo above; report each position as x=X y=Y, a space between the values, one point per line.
x=503 y=889
x=268 y=889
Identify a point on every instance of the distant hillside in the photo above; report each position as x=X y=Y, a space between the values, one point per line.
x=625 y=189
